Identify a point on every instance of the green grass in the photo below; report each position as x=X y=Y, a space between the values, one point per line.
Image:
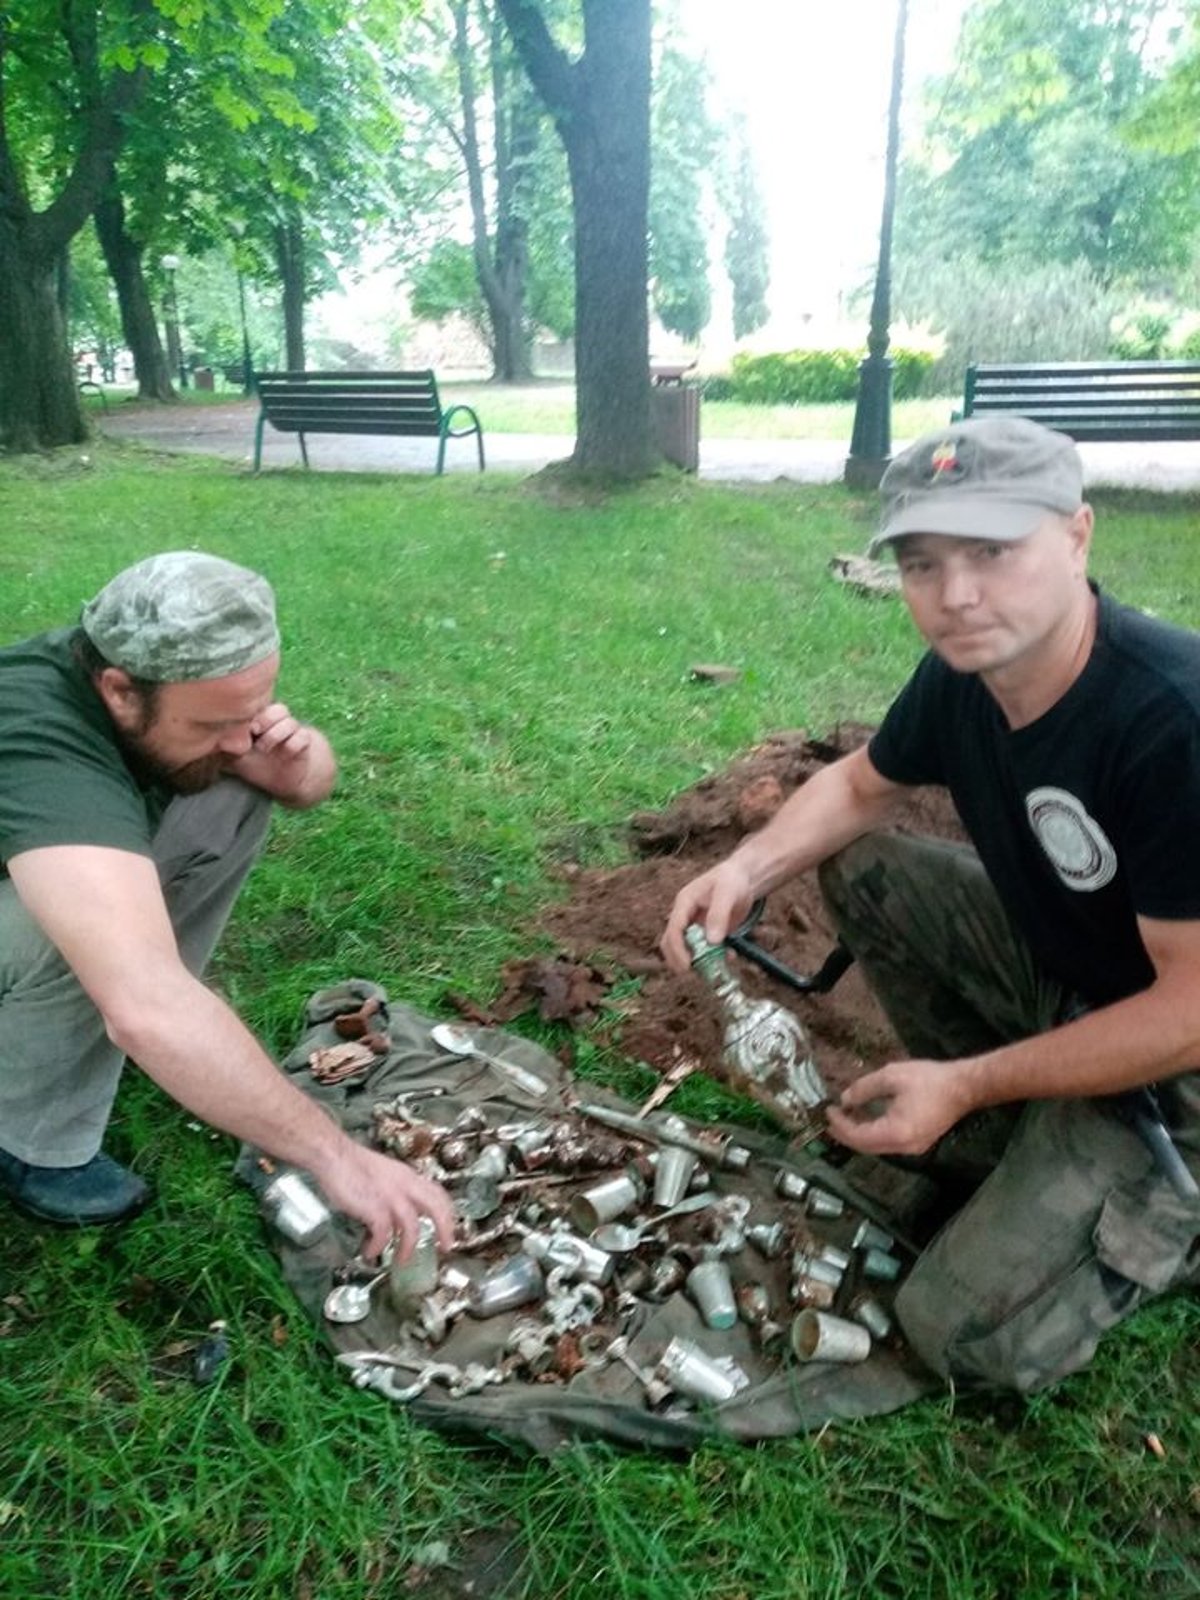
x=501 y=667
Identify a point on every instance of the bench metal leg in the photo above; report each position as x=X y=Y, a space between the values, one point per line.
x=258 y=433
x=303 y=448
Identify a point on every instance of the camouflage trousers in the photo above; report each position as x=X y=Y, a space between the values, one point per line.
x=1072 y=1226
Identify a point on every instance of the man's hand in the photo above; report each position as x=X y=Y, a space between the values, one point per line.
x=901 y=1110
x=719 y=899
x=388 y=1197
x=288 y=760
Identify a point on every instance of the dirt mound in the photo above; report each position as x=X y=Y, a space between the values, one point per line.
x=614 y=917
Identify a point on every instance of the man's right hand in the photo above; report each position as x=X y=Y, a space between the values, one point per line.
x=718 y=899
x=387 y=1196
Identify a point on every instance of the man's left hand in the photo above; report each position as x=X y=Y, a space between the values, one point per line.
x=901 y=1110
x=289 y=760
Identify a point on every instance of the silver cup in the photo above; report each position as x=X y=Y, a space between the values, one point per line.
x=711 y=1287
x=295 y=1210
x=691 y=1372
x=515 y=1282
x=672 y=1174
x=790 y=1185
x=870 y=1236
x=821 y=1203
x=867 y=1310
x=817 y=1336
x=808 y=1291
x=768 y=1238
x=880 y=1266
x=606 y=1201
x=410 y=1281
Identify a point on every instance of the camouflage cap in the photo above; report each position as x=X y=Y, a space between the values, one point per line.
x=987 y=478
x=183 y=616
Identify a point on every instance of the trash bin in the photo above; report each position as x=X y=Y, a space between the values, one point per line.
x=203 y=377
x=675 y=419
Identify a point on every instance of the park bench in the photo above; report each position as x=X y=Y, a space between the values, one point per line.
x=404 y=404
x=1093 y=400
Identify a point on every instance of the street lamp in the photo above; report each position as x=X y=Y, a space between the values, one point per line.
x=170 y=265
x=871 y=440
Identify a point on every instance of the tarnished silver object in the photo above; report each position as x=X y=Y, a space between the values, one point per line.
x=449 y=1036
x=768 y=1238
x=669 y=1130
x=350 y=1302
x=820 y=1203
x=881 y=1266
x=586 y=1259
x=817 y=1336
x=672 y=1174
x=603 y=1202
x=657 y=1389
x=515 y=1282
x=410 y=1281
x=620 y=1237
x=693 y=1372
x=711 y=1288
x=870 y=1236
x=766 y=1052
x=807 y=1291
x=790 y=1185
x=295 y=1209
x=491 y=1162
x=667 y=1274
x=867 y=1310
x=753 y=1303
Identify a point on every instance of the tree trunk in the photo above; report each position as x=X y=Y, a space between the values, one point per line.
x=601 y=107
x=39 y=399
x=289 y=258
x=123 y=255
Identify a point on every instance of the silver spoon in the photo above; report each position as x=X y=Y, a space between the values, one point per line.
x=448 y=1036
x=350 y=1302
x=617 y=1237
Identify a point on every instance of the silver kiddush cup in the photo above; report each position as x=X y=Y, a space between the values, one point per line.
x=817 y=1336
x=691 y=1372
x=295 y=1210
x=606 y=1201
x=672 y=1174
x=515 y=1282
x=410 y=1281
x=710 y=1286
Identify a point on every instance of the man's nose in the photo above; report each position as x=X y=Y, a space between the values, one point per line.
x=960 y=587
x=237 y=742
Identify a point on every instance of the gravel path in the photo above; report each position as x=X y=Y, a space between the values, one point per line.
x=228 y=431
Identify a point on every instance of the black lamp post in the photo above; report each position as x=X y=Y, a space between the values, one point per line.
x=871 y=440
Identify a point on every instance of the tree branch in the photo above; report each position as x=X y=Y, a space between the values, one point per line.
x=551 y=74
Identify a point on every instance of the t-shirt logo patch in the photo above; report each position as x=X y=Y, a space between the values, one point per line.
x=1078 y=847
x=948 y=462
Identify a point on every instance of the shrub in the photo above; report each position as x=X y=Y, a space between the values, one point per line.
x=804 y=377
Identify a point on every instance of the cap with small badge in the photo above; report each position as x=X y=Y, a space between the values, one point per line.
x=989 y=478
x=183 y=616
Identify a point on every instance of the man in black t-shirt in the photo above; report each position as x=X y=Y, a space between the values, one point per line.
x=1045 y=981
x=140 y=755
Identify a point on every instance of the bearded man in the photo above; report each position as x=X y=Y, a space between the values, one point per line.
x=141 y=754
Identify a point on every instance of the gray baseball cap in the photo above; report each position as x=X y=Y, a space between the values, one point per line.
x=183 y=616
x=987 y=478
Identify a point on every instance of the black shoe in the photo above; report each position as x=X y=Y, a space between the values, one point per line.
x=98 y=1191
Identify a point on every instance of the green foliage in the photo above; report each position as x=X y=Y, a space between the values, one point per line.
x=746 y=259
x=447 y=285
x=991 y=312
x=1027 y=155
x=1143 y=337
x=682 y=144
x=800 y=377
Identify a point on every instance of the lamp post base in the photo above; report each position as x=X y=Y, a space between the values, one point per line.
x=871 y=440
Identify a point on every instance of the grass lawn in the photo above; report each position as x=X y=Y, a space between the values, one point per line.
x=501 y=668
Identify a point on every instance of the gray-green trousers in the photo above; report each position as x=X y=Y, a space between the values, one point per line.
x=1072 y=1226
x=59 y=1070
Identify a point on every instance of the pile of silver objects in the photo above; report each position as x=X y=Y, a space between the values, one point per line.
x=574 y=1225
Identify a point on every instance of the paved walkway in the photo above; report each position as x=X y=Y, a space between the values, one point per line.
x=228 y=431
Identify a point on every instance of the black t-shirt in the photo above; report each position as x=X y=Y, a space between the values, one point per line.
x=1085 y=819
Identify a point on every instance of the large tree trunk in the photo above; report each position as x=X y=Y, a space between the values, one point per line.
x=138 y=323
x=601 y=107
x=289 y=258
x=39 y=400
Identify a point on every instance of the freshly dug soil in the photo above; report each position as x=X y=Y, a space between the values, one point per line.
x=614 y=918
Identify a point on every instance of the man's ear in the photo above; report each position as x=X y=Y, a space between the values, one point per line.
x=121 y=696
x=1081 y=527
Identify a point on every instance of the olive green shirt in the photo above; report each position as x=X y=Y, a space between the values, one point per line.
x=63 y=777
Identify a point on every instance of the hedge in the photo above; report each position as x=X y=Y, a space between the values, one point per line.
x=800 y=377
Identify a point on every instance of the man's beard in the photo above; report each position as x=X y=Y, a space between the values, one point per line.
x=193 y=777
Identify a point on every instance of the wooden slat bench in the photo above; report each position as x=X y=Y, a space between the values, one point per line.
x=405 y=404
x=1093 y=400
